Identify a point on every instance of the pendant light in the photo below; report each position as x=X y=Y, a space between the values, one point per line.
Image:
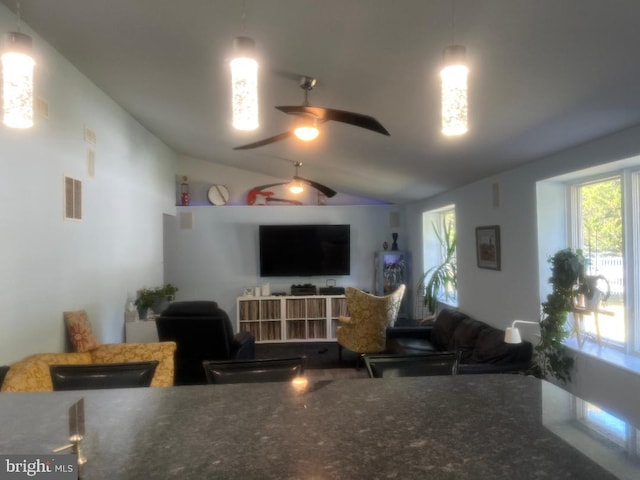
x=17 y=79
x=454 y=87
x=244 y=81
x=295 y=186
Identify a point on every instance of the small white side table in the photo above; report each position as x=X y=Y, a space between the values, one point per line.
x=141 y=331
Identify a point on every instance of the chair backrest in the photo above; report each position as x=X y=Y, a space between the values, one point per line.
x=202 y=331
x=384 y=366
x=252 y=371
x=199 y=328
x=3 y=372
x=102 y=375
x=372 y=315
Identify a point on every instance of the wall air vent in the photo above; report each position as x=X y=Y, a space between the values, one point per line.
x=91 y=163
x=90 y=135
x=72 y=199
x=186 y=220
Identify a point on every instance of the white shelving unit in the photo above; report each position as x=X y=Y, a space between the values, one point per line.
x=292 y=318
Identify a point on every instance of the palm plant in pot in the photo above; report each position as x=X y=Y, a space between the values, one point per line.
x=441 y=280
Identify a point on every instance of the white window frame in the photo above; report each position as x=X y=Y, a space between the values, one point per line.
x=630 y=184
x=430 y=243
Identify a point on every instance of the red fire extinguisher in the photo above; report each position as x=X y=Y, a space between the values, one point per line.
x=184 y=192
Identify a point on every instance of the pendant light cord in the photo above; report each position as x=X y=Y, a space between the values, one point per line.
x=18 y=14
x=453 y=22
x=244 y=16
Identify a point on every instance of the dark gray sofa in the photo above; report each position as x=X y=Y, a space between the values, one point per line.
x=481 y=346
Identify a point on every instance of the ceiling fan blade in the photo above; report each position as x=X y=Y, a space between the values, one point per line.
x=318 y=186
x=328 y=114
x=266 y=141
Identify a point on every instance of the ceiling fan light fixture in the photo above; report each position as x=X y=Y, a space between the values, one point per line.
x=307 y=132
x=244 y=85
x=296 y=187
x=17 y=81
x=454 y=91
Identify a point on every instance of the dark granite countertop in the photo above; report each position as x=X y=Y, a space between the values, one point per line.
x=475 y=427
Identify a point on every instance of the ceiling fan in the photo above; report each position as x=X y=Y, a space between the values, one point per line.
x=312 y=116
x=260 y=191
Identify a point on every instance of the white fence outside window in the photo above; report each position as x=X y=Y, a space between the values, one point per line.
x=611 y=267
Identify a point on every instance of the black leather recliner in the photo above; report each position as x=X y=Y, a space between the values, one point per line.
x=202 y=331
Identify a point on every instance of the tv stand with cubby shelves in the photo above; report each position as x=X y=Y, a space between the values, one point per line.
x=311 y=318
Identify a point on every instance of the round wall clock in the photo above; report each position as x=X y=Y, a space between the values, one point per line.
x=218 y=195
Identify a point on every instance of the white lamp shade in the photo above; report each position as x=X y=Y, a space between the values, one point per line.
x=17 y=82
x=307 y=132
x=512 y=335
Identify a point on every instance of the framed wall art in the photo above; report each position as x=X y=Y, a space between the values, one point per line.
x=488 y=247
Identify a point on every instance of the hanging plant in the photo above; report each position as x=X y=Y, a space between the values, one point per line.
x=567 y=278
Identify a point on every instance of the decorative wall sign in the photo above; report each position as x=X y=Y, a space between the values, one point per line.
x=488 y=247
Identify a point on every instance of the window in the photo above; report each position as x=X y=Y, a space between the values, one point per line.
x=438 y=228
x=618 y=435
x=598 y=227
x=604 y=217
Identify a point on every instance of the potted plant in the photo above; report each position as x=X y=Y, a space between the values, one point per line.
x=145 y=298
x=441 y=279
x=164 y=295
x=155 y=298
x=593 y=296
x=567 y=278
x=169 y=291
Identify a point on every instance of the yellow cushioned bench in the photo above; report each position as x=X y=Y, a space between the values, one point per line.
x=32 y=373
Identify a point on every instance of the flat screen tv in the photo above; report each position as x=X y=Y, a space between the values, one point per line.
x=304 y=250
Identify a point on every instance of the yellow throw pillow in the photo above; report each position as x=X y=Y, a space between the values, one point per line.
x=80 y=334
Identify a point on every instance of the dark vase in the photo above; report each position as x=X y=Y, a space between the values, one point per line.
x=142 y=312
x=394 y=245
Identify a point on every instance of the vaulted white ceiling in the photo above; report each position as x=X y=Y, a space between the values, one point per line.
x=545 y=75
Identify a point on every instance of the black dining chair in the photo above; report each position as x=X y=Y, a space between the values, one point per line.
x=99 y=376
x=253 y=371
x=384 y=366
x=3 y=372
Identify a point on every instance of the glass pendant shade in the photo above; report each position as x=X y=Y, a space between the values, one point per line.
x=454 y=91
x=296 y=187
x=244 y=85
x=17 y=81
x=306 y=132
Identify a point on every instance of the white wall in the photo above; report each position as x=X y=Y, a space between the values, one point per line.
x=499 y=297
x=202 y=174
x=50 y=265
x=219 y=257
